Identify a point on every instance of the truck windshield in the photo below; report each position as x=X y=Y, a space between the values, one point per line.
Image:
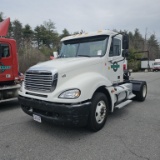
x=157 y=63
x=86 y=47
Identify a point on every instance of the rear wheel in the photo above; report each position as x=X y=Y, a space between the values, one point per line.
x=99 y=112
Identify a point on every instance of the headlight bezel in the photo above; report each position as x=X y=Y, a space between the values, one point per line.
x=70 y=94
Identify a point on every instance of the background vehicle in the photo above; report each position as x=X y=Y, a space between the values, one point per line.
x=156 y=65
x=84 y=83
x=9 y=75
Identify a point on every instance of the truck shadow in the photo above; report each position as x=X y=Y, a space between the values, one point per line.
x=9 y=105
x=60 y=132
x=120 y=113
x=75 y=133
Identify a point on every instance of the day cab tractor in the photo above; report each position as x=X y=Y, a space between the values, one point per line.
x=9 y=76
x=83 y=84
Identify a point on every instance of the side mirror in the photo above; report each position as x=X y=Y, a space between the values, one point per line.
x=0 y=51
x=125 y=43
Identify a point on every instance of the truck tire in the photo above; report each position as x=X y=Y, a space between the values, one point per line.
x=99 y=112
x=141 y=95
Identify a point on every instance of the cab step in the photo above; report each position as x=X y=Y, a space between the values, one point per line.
x=121 y=105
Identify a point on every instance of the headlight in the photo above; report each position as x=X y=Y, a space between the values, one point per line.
x=70 y=94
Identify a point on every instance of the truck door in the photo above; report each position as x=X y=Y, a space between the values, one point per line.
x=6 y=68
x=115 y=61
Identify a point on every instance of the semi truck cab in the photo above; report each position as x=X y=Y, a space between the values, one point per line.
x=9 y=75
x=8 y=60
x=83 y=84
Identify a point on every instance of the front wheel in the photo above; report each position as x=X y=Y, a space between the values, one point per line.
x=99 y=112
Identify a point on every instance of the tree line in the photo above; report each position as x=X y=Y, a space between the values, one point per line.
x=36 y=45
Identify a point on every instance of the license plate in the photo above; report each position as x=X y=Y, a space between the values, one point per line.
x=37 y=118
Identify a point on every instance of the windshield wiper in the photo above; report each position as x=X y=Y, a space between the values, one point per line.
x=83 y=56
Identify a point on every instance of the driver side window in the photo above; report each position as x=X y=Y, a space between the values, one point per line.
x=5 y=50
x=115 y=49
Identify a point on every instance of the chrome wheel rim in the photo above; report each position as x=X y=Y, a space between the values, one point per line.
x=144 y=90
x=100 y=113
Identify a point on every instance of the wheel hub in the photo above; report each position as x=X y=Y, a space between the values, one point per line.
x=100 y=113
x=144 y=90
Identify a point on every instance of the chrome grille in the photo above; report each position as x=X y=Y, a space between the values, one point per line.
x=41 y=81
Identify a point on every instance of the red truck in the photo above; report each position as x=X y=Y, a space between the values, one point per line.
x=9 y=75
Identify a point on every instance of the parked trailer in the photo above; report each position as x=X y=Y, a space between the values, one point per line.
x=147 y=64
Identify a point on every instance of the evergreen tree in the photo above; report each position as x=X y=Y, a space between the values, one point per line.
x=45 y=34
x=65 y=33
x=17 y=32
x=37 y=36
x=153 y=47
x=27 y=33
x=138 y=40
x=1 y=16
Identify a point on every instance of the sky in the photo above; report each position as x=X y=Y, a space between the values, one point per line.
x=87 y=15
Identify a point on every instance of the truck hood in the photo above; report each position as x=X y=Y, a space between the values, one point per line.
x=63 y=65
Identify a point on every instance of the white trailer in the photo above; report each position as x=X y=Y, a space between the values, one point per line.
x=147 y=64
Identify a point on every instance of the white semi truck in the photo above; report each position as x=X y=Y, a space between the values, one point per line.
x=83 y=84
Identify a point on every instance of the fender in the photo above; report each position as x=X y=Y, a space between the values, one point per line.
x=87 y=83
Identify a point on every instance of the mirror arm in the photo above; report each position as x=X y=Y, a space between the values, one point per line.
x=122 y=33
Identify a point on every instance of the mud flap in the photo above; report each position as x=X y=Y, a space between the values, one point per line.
x=139 y=88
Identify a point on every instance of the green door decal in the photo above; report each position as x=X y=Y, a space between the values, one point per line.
x=3 y=67
x=115 y=66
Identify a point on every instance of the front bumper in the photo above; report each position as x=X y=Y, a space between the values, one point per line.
x=65 y=114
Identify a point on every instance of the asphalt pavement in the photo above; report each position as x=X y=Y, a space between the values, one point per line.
x=131 y=133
